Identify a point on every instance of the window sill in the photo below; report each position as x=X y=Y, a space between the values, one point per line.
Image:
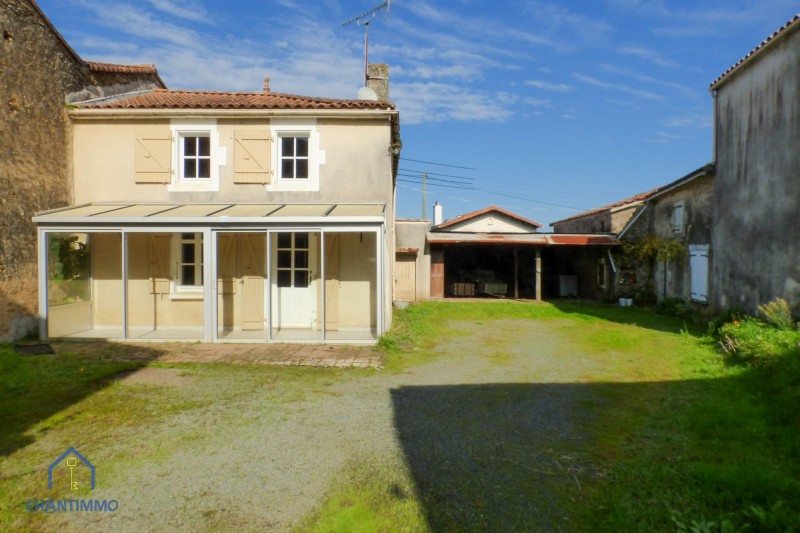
x=194 y=295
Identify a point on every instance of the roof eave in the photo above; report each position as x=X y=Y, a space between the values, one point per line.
x=748 y=60
x=227 y=113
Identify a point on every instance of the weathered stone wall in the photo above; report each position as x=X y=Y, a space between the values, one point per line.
x=36 y=71
x=755 y=239
x=595 y=223
x=698 y=198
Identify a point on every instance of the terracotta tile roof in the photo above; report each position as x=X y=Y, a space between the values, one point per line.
x=641 y=197
x=462 y=218
x=783 y=30
x=121 y=69
x=167 y=99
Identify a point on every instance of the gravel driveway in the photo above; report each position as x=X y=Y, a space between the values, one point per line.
x=505 y=398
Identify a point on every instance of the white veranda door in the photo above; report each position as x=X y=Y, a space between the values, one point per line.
x=293 y=297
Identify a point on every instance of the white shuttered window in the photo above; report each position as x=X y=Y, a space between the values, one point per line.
x=698 y=265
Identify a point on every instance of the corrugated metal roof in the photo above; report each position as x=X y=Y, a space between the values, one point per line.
x=524 y=239
x=210 y=213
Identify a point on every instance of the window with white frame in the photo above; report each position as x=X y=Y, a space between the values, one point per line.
x=195 y=156
x=293 y=267
x=296 y=154
x=294 y=157
x=187 y=254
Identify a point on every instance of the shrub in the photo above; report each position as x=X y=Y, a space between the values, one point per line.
x=676 y=307
x=777 y=313
x=750 y=340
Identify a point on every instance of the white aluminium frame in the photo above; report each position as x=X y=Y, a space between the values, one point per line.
x=210 y=290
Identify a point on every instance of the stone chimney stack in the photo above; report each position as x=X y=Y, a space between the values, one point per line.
x=266 y=84
x=378 y=80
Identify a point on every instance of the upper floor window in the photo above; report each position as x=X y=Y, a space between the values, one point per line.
x=677 y=216
x=195 y=156
x=296 y=154
x=294 y=157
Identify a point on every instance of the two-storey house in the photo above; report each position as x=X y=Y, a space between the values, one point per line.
x=219 y=216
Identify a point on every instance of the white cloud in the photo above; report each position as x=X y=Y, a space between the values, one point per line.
x=699 y=120
x=439 y=102
x=647 y=95
x=186 y=9
x=558 y=87
x=648 y=55
x=682 y=89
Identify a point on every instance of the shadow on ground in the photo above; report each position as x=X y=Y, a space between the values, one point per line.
x=35 y=387
x=511 y=457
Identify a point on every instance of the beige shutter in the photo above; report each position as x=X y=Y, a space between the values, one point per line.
x=226 y=264
x=252 y=156
x=159 y=250
x=153 y=157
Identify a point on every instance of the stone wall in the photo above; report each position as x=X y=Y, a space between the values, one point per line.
x=755 y=244
x=37 y=72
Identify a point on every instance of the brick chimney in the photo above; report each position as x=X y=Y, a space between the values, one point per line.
x=378 y=80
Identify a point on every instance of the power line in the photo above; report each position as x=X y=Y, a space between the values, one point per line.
x=436 y=174
x=437 y=185
x=417 y=176
x=438 y=164
x=529 y=199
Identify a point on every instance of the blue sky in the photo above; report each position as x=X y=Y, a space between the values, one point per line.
x=554 y=107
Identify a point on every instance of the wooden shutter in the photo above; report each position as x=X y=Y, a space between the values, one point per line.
x=159 y=262
x=153 y=158
x=252 y=156
x=698 y=266
x=226 y=264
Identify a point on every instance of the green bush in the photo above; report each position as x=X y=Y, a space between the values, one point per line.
x=777 y=313
x=750 y=340
x=676 y=307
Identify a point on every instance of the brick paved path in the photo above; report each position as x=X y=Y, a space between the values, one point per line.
x=324 y=355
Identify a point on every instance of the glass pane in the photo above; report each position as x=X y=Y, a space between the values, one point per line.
x=284 y=278
x=301 y=278
x=287 y=168
x=204 y=146
x=301 y=259
x=189 y=168
x=287 y=146
x=69 y=268
x=284 y=240
x=190 y=146
x=302 y=168
x=284 y=259
x=205 y=168
x=302 y=146
x=301 y=240
x=187 y=275
x=187 y=252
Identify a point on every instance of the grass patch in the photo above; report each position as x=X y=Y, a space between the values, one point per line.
x=369 y=497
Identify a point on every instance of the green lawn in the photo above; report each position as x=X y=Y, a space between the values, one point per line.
x=672 y=437
x=682 y=441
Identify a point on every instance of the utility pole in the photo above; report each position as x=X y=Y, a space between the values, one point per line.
x=424 y=195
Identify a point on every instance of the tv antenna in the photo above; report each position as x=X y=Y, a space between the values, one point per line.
x=365 y=19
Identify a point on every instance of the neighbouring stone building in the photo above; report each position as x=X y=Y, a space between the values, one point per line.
x=40 y=74
x=757 y=128
x=676 y=224
x=612 y=218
